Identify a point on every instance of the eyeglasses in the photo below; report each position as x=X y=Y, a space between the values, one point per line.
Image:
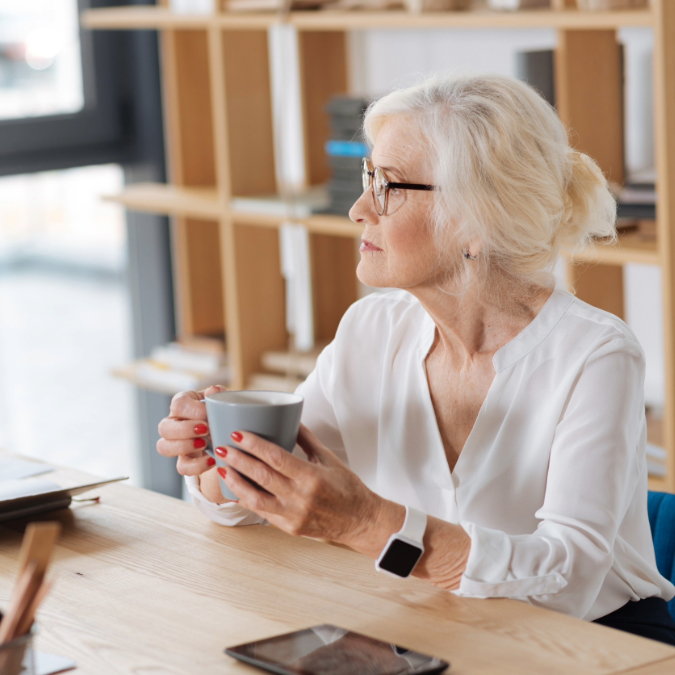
x=373 y=177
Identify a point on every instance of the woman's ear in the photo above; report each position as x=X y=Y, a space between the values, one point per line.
x=473 y=249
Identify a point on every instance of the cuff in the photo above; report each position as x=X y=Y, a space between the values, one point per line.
x=488 y=572
x=229 y=514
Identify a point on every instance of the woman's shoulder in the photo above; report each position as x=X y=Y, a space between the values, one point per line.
x=596 y=331
x=599 y=322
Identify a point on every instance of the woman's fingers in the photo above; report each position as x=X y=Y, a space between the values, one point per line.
x=194 y=465
x=175 y=429
x=249 y=497
x=269 y=453
x=258 y=471
x=177 y=448
x=189 y=405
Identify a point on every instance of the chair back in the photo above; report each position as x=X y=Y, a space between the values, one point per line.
x=661 y=507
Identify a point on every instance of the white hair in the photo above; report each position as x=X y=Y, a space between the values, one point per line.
x=507 y=175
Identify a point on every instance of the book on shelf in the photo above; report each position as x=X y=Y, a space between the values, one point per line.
x=270 y=5
x=296 y=269
x=299 y=364
x=291 y=205
x=271 y=382
x=192 y=364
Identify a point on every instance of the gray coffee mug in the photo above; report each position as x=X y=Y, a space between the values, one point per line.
x=273 y=415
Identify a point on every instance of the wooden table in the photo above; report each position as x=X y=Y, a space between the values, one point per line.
x=146 y=584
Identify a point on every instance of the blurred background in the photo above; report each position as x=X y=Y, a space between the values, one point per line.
x=85 y=287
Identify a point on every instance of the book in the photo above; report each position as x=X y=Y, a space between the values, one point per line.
x=347 y=148
x=27 y=497
x=299 y=364
x=300 y=205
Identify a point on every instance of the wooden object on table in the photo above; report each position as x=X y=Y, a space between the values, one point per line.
x=31 y=588
x=37 y=547
x=221 y=146
x=154 y=585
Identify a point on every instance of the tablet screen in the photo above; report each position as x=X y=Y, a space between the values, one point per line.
x=329 y=650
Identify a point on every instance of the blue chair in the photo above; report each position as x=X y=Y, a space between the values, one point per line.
x=661 y=508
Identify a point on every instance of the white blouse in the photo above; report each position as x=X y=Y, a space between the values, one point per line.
x=551 y=485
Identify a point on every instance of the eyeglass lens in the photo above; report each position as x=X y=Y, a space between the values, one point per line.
x=373 y=178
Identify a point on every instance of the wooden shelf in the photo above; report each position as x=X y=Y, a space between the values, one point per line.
x=334 y=20
x=170 y=200
x=632 y=247
x=143 y=18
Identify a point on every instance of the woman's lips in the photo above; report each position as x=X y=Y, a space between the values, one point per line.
x=367 y=246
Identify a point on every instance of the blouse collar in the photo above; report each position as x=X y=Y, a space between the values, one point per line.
x=532 y=335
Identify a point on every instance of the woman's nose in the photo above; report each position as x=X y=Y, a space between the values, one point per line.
x=363 y=210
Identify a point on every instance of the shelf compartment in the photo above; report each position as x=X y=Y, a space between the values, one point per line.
x=170 y=200
x=631 y=247
x=143 y=18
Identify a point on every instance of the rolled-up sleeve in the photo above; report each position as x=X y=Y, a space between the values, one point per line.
x=595 y=463
x=317 y=415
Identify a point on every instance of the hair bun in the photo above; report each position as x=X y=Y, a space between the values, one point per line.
x=590 y=208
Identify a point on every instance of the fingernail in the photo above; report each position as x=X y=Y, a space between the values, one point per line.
x=236 y=437
x=210 y=461
x=222 y=473
x=199 y=443
x=201 y=429
x=221 y=452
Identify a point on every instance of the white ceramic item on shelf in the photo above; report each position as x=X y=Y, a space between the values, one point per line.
x=193 y=6
x=517 y=4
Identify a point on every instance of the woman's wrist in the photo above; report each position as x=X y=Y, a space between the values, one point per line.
x=382 y=519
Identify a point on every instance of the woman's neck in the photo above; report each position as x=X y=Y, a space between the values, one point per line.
x=478 y=323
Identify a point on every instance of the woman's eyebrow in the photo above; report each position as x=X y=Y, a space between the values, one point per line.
x=391 y=169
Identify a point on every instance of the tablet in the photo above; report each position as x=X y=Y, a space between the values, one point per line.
x=329 y=650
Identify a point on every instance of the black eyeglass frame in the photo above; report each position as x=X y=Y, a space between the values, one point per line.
x=367 y=169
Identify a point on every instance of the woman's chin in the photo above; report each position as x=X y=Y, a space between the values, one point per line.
x=368 y=275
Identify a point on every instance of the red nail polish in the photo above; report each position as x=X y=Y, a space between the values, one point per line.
x=201 y=429
x=210 y=461
x=236 y=437
x=199 y=443
x=222 y=472
x=221 y=452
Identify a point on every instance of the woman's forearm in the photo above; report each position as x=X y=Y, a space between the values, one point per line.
x=446 y=546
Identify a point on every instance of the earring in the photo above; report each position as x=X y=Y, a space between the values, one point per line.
x=467 y=255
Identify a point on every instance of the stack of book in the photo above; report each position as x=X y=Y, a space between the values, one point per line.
x=191 y=364
x=345 y=149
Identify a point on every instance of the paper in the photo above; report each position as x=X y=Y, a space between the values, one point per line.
x=12 y=489
x=295 y=266
x=49 y=664
x=11 y=469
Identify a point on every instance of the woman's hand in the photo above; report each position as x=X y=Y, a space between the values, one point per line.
x=318 y=498
x=184 y=433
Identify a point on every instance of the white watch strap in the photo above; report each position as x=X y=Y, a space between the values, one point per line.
x=415 y=525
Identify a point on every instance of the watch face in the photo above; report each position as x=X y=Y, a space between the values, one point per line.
x=400 y=558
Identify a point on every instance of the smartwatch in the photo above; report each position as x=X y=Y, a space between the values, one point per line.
x=404 y=548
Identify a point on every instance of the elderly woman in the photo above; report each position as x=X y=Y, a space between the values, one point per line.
x=501 y=419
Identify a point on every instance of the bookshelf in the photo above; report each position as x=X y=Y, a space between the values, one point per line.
x=220 y=146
